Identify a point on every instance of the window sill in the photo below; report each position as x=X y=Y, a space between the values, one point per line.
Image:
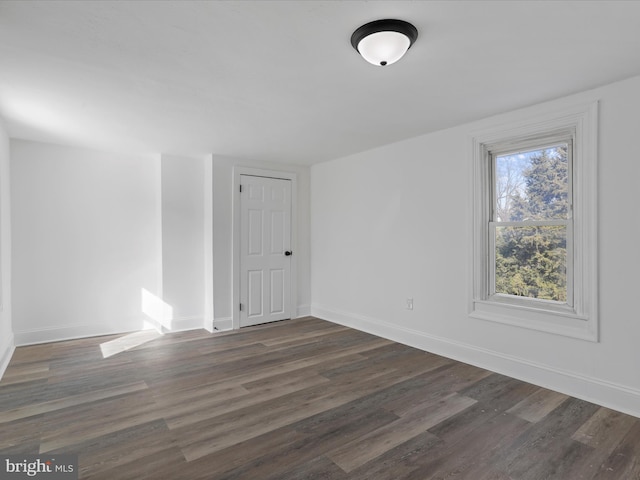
x=559 y=322
x=533 y=305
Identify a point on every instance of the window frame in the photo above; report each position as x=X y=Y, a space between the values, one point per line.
x=578 y=317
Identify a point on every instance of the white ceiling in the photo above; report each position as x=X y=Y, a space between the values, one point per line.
x=279 y=80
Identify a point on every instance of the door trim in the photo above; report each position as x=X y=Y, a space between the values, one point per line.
x=235 y=241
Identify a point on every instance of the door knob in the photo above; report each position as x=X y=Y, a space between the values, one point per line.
x=288 y=253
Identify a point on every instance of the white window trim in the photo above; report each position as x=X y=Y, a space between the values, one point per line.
x=580 y=320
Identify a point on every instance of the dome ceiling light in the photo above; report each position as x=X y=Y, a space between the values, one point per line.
x=384 y=42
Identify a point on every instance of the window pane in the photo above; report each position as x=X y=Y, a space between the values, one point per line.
x=532 y=262
x=532 y=185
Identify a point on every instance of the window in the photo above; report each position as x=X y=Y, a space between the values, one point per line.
x=534 y=241
x=530 y=224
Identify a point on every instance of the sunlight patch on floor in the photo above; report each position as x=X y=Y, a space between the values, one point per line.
x=127 y=342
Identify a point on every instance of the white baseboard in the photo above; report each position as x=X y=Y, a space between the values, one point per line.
x=304 y=311
x=207 y=324
x=601 y=392
x=65 y=332
x=186 y=323
x=6 y=352
x=223 y=323
x=72 y=332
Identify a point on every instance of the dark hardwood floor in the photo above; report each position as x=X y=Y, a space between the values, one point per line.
x=299 y=399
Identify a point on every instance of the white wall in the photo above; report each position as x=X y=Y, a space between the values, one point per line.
x=222 y=235
x=93 y=229
x=86 y=240
x=6 y=331
x=395 y=223
x=183 y=240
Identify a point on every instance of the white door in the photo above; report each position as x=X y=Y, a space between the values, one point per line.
x=265 y=249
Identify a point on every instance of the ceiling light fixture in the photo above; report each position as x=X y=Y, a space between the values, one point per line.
x=384 y=42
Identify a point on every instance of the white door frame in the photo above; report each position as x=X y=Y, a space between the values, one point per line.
x=258 y=172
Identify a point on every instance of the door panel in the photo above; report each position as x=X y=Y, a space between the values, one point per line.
x=256 y=285
x=255 y=232
x=265 y=236
x=278 y=233
x=277 y=291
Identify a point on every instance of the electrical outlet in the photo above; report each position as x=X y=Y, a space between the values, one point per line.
x=409 y=303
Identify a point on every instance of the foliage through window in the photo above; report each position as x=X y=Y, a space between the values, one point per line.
x=530 y=224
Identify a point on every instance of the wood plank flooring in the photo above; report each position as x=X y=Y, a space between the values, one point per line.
x=299 y=399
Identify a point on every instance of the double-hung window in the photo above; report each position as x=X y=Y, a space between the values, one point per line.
x=534 y=239
x=530 y=224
